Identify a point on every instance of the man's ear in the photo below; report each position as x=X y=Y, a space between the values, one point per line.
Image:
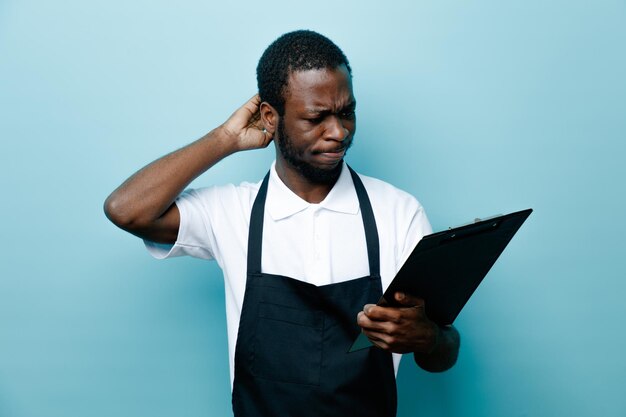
x=269 y=117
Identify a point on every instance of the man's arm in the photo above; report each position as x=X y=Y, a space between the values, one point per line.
x=144 y=204
x=408 y=329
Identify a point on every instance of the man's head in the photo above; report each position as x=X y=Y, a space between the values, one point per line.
x=305 y=85
x=300 y=50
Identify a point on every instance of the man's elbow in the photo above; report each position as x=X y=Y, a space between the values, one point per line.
x=438 y=366
x=120 y=214
x=445 y=354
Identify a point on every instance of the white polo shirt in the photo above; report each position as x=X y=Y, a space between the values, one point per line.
x=320 y=243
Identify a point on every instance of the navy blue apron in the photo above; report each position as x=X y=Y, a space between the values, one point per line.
x=291 y=357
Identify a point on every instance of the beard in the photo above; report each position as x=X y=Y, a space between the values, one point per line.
x=294 y=157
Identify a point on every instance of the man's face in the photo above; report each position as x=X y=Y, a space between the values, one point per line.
x=319 y=123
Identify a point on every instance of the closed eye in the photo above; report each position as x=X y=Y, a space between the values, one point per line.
x=349 y=114
x=315 y=120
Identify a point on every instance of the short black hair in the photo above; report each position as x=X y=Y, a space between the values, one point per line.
x=300 y=50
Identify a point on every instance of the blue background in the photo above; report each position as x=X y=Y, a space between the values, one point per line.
x=475 y=107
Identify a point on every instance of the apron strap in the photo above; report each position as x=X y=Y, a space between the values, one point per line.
x=255 y=231
x=255 y=234
x=369 y=223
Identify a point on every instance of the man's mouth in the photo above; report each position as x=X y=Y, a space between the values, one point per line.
x=332 y=156
x=334 y=151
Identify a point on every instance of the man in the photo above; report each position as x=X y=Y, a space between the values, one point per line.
x=305 y=252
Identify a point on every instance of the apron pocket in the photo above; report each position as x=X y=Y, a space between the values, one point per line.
x=288 y=344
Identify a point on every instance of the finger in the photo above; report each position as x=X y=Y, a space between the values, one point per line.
x=253 y=103
x=254 y=119
x=370 y=325
x=247 y=115
x=408 y=300
x=377 y=339
x=417 y=304
x=250 y=110
x=378 y=313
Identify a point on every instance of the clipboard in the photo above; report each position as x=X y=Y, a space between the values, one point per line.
x=445 y=268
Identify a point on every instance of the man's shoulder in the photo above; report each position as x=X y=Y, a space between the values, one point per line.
x=241 y=188
x=382 y=191
x=399 y=213
x=223 y=194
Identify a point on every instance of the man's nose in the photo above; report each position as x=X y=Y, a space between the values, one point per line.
x=335 y=129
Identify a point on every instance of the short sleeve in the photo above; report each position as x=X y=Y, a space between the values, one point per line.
x=213 y=223
x=418 y=227
x=195 y=233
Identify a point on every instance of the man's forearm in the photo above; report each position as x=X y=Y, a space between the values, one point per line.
x=147 y=194
x=144 y=203
x=445 y=353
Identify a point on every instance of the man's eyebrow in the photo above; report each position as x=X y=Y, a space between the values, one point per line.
x=316 y=110
x=350 y=106
x=324 y=110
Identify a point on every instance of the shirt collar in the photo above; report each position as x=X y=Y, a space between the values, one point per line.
x=282 y=202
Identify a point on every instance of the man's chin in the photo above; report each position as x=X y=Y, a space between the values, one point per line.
x=322 y=174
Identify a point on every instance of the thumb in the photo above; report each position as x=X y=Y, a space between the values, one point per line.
x=408 y=300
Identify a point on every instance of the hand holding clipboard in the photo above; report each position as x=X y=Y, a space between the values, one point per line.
x=445 y=268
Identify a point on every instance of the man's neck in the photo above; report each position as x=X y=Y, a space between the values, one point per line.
x=304 y=188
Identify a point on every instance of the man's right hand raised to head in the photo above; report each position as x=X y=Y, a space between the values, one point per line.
x=144 y=204
x=246 y=128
